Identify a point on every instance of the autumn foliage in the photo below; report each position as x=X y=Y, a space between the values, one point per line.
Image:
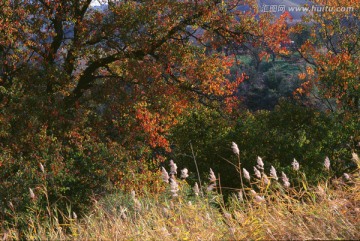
x=92 y=94
x=93 y=100
x=332 y=53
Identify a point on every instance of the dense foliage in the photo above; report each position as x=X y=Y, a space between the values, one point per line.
x=290 y=131
x=332 y=54
x=94 y=100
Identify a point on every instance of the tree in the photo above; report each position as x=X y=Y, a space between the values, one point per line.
x=144 y=54
x=332 y=54
x=83 y=90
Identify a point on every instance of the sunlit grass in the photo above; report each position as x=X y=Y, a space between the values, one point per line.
x=267 y=210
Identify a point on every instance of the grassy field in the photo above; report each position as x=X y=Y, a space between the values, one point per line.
x=267 y=207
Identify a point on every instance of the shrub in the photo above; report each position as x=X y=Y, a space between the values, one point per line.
x=290 y=131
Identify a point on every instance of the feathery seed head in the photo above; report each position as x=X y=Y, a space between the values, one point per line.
x=174 y=187
x=41 y=167
x=327 y=163
x=266 y=179
x=11 y=205
x=285 y=179
x=356 y=158
x=173 y=168
x=295 y=165
x=164 y=175
x=184 y=173
x=235 y=148
x=196 y=189
x=137 y=205
x=260 y=163
x=346 y=176
x=354 y=155
x=259 y=199
x=246 y=174
x=32 y=194
x=133 y=194
x=211 y=187
x=257 y=173
x=240 y=196
x=212 y=176
x=165 y=212
x=273 y=173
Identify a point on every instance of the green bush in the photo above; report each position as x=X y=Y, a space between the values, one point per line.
x=290 y=131
x=206 y=132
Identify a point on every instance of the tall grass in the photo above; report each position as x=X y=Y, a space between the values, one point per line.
x=264 y=208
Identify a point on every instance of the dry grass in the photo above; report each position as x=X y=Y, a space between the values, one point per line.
x=328 y=211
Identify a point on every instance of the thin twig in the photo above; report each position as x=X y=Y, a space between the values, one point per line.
x=196 y=166
x=241 y=179
x=236 y=167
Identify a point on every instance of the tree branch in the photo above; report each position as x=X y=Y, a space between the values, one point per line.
x=87 y=78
